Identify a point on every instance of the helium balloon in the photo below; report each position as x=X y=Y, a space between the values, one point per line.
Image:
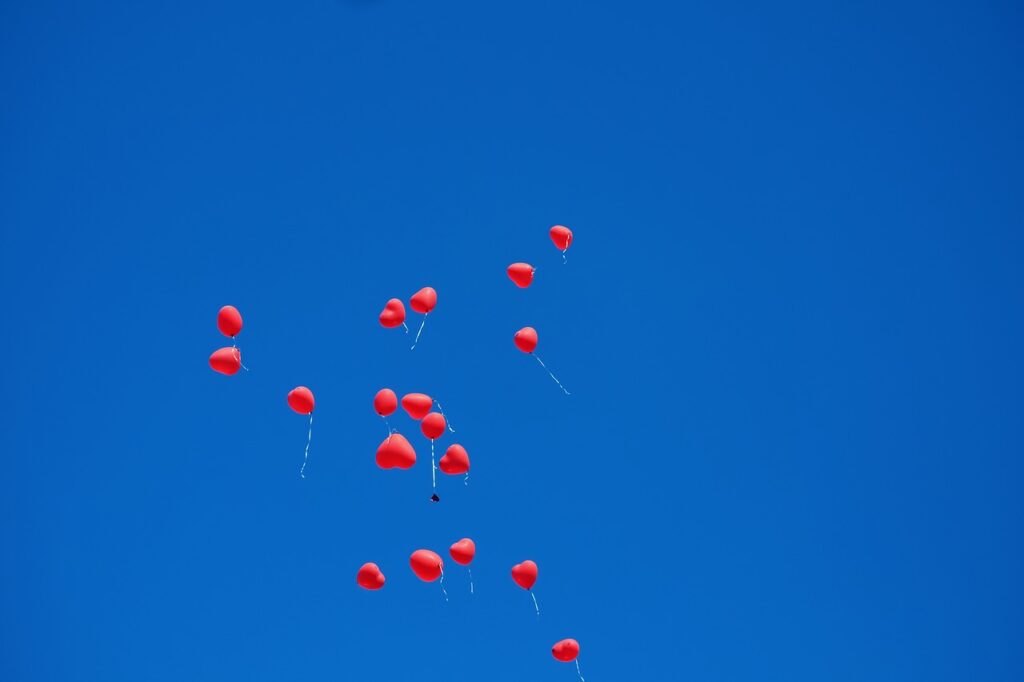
x=423 y=301
x=226 y=360
x=385 y=402
x=433 y=428
x=395 y=453
x=433 y=425
x=393 y=314
x=369 y=577
x=229 y=321
x=301 y=400
x=455 y=460
x=566 y=651
x=426 y=565
x=417 y=404
x=463 y=551
x=526 y=341
x=521 y=274
x=525 y=575
x=562 y=237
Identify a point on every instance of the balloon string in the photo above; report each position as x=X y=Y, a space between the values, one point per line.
x=466 y=481
x=443 y=591
x=535 y=603
x=441 y=410
x=433 y=467
x=470 y=579
x=578 y=670
x=417 y=340
x=238 y=354
x=387 y=426
x=564 y=259
x=552 y=375
x=309 y=439
x=406 y=327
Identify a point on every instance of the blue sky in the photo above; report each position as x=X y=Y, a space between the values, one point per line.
x=790 y=322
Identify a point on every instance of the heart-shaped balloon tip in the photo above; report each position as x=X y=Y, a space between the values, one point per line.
x=301 y=400
x=566 y=650
x=229 y=321
x=526 y=339
x=417 y=405
x=424 y=300
x=396 y=453
x=226 y=360
x=370 y=577
x=393 y=314
x=525 y=574
x=521 y=274
x=455 y=460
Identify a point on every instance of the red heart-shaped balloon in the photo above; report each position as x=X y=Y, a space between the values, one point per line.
x=561 y=236
x=395 y=453
x=525 y=574
x=417 y=404
x=526 y=339
x=301 y=400
x=521 y=274
x=463 y=551
x=385 y=402
x=393 y=314
x=455 y=460
x=426 y=565
x=369 y=577
x=424 y=300
x=433 y=425
x=229 y=321
x=226 y=360
x=566 y=651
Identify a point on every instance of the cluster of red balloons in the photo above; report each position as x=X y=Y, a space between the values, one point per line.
x=522 y=275
x=396 y=452
x=393 y=315
x=228 y=360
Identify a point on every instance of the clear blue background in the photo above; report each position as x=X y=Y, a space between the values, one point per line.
x=791 y=323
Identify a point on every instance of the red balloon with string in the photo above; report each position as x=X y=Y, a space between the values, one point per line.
x=428 y=567
x=300 y=399
x=385 y=403
x=562 y=238
x=423 y=301
x=417 y=404
x=525 y=575
x=568 y=651
x=462 y=553
x=433 y=426
x=226 y=360
x=393 y=315
x=526 y=341
x=521 y=274
x=370 y=577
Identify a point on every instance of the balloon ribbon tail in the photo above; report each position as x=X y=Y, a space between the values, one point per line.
x=578 y=670
x=420 y=331
x=550 y=374
x=309 y=439
x=535 y=603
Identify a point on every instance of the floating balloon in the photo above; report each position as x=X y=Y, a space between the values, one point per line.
x=369 y=577
x=562 y=237
x=395 y=453
x=393 y=314
x=428 y=567
x=385 y=403
x=521 y=274
x=226 y=360
x=525 y=575
x=229 y=321
x=568 y=650
x=301 y=400
x=463 y=552
x=455 y=461
x=417 y=404
x=423 y=301
x=433 y=425
x=433 y=428
x=526 y=341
